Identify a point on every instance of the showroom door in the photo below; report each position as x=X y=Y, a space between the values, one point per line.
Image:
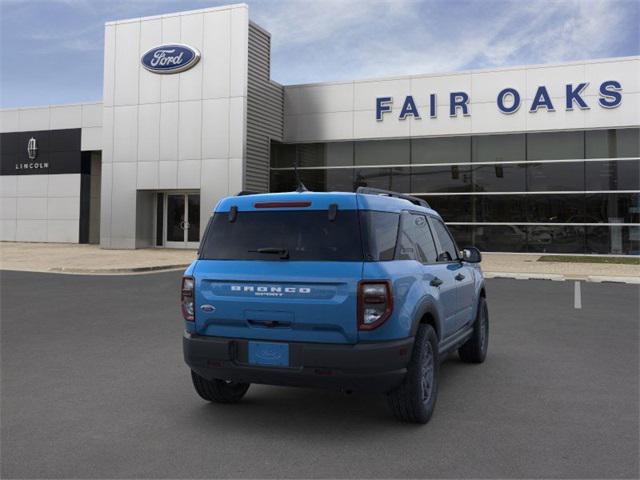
x=182 y=220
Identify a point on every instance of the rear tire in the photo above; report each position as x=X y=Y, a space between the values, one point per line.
x=415 y=399
x=474 y=350
x=219 y=391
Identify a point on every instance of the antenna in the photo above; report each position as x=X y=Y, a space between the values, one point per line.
x=301 y=188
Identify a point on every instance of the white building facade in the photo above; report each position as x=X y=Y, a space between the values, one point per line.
x=539 y=158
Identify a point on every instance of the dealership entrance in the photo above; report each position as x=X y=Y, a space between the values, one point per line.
x=179 y=218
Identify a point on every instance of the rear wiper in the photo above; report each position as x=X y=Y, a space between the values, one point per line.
x=283 y=252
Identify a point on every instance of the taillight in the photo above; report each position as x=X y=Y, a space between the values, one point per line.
x=375 y=303
x=187 y=299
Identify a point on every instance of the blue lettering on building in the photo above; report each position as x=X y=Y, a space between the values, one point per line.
x=506 y=93
x=541 y=99
x=610 y=96
x=409 y=108
x=573 y=95
x=433 y=105
x=458 y=100
x=383 y=104
x=508 y=101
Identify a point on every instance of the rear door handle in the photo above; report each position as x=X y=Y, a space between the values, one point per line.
x=436 y=282
x=459 y=277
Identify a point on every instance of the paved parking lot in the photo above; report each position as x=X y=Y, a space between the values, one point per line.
x=93 y=386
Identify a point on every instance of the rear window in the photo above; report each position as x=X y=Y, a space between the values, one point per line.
x=303 y=234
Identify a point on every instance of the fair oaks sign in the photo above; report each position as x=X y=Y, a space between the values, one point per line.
x=508 y=101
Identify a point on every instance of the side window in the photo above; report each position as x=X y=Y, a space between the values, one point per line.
x=448 y=250
x=415 y=241
x=379 y=233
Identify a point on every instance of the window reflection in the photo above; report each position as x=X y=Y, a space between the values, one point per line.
x=447 y=178
x=499 y=178
x=441 y=150
x=545 y=177
x=396 y=179
x=555 y=145
x=555 y=208
x=613 y=240
x=613 y=207
x=382 y=152
x=612 y=143
x=499 y=148
x=556 y=239
x=613 y=175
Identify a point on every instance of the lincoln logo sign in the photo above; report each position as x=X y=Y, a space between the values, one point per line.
x=172 y=58
x=508 y=101
x=32 y=154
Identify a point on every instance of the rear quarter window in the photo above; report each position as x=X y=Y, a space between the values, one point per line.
x=379 y=233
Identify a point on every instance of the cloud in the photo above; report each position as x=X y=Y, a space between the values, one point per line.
x=356 y=39
x=321 y=40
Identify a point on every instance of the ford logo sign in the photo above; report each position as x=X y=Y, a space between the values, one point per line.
x=173 y=58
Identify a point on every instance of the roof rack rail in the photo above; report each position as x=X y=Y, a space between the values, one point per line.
x=389 y=193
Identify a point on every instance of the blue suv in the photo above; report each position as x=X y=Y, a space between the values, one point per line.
x=358 y=291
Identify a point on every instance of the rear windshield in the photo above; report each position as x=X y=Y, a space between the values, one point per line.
x=295 y=235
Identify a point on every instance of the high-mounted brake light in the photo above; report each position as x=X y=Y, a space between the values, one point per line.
x=375 y=303
x=281 y=204
x=187 y=300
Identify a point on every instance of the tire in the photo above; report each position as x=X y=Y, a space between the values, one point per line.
x=415 y=399
x=474 y=350
x=219 y=391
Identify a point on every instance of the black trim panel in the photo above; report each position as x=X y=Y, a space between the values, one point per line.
x=58 y=152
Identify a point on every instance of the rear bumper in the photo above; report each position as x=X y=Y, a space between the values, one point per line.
x=372 y=367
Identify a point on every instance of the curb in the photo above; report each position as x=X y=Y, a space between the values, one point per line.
x=154 y=268
x=562 y=278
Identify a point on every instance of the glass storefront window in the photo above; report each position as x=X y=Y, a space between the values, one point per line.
x=382 y=152
x=282 y=155
x=499 y=178
x=445 y=178
x=613 y=240
x=499 y=148
x=339 y=154
x=556 y=239
x=613 y=175
x=555 y=145
x=463 y=235
x=452 y=208
x=613 y=207
x=500 y=208
x=612 y=143
x=440 y=150
x=333 y=180
x=549 y=177
x=395 y=178
x=555 y=208
x=500 y=238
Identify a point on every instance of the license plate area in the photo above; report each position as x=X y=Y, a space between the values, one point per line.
x=269 y=354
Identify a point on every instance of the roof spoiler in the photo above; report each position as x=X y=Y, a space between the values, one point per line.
x=389 y=193
x=247 y=192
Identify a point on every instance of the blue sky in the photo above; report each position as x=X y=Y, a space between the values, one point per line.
x=51 y=51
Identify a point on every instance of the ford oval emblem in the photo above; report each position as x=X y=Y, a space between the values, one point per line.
x=172 y=58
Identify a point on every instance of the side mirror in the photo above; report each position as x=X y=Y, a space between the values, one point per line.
x=471 y=255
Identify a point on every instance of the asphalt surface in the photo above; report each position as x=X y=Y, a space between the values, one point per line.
x=94 y=385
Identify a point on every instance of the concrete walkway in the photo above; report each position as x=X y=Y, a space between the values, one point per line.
x=527 y=266
x=70 y=258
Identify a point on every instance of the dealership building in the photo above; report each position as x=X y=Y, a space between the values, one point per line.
x=542 y=158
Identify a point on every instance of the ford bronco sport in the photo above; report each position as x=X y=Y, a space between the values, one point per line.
x=356 y=291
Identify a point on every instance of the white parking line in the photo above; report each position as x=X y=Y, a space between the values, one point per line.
x=577 y=295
